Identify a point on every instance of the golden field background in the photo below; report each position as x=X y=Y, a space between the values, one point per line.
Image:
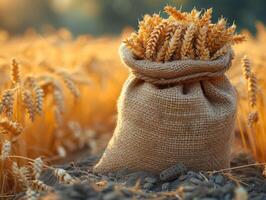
x=81 y=79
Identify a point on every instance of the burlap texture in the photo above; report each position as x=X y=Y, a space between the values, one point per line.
x=173 y=112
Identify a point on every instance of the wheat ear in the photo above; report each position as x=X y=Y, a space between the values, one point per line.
x=38 y=185
x=222 y=51
x=173 y=44
x=6 y=149
x=7 y=102
x=238 y=39
x=187 y=41
x=37 y=167
x=176 y=14
x=153 y=40
x=215 y=32
x=205 y=20
x=20 y=174
x=136 y=49
x=162 y=51
x=246 y=67
x=201 y=49
x=10 y=126
x=15 y=72
x=252 y=90
x=38 y=94
x=253 y=118
x=28 y=101
x=63 y=177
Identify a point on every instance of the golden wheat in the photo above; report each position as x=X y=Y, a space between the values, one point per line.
x=201 y=39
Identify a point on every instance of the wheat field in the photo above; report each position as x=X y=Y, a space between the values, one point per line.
x=59 y=93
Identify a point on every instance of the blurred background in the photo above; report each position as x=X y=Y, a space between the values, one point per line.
x=102 y=17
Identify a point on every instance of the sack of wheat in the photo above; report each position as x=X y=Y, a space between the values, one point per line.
x=177 y=105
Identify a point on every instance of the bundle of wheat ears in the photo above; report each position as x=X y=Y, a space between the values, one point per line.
x=182 y=36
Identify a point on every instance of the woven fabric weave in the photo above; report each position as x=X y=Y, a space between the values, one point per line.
x=174 y=112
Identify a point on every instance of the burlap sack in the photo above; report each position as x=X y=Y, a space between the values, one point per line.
x=174 y=112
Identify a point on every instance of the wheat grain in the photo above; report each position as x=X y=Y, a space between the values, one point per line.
x=153 y=40
x=15 y=72
x=29 y=103
x=252 y=90
x=6 y=149
x=187 y=41
x=12 y=127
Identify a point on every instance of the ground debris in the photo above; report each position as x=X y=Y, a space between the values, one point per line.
x=176 y=183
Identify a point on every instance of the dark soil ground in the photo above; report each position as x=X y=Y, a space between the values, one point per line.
x=238 y=183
